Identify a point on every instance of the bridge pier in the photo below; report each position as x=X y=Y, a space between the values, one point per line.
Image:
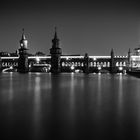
x=129 y=60
x=112 y=63
x=86 y=63
x=23 y=62
x=0 y=64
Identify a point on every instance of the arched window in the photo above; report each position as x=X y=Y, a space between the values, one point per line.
x=108 y=64
x=63 y=64
x=121 y=64
x=117 y=64
x=94 y=64
x=104 y=65
x=91 y=64
x=124 y=63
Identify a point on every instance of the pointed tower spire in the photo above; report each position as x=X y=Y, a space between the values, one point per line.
x=55 y=35
x=23 y=41
x=23 y=35
x=55 y=40
x=129 y=51
x=23 y=30
x=112 y=52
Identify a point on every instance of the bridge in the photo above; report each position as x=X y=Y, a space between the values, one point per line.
x=56 y=62
x=70 y=63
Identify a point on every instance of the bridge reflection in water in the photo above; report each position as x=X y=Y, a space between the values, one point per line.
x=69 y=106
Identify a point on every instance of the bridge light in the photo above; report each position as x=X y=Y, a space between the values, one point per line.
x=120 y=68
x=99 y=67
x=77 y=71
x=72 y=67
x=49 y=67
x=133 y=59
x=37 y=59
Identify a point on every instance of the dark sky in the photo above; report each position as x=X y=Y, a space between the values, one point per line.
x=83 y=26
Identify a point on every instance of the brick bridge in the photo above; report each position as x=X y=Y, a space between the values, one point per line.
x=73 y=63
x=56 y=62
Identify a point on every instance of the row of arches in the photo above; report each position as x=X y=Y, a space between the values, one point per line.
x=92 y=64
x=75 y=64
x=120 y=64
x=101 y=64
x=69 y=64
x=9 y=64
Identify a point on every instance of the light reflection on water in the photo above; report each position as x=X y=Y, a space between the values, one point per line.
x=11 y=87
x=37 y=99
x=120 y=96
x=70 y=106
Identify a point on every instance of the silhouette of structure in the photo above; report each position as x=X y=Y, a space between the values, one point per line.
x=86 y=64
x=0 y=64
x=56 y=53
x=56 y=62
x=112 y=62
x=23 y=56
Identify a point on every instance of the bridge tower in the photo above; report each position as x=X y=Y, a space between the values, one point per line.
x=86 y=63
x=55 y=52
x=23 y=56
x=112 y=62
x=129 y=57
x=0 y=64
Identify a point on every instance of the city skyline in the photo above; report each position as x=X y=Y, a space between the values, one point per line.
x=82 y=27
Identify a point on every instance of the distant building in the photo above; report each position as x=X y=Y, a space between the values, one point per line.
x=2 y=54
x=135 y=58
x=39 y=53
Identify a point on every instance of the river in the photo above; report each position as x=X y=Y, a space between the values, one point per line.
x=42 y=106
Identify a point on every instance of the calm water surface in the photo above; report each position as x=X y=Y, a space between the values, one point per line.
x=69 y=106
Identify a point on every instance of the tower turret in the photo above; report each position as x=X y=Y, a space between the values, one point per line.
x=129 y=57
x=0 y=64
x=23 y=56
x=23 y=41
x=55 y=52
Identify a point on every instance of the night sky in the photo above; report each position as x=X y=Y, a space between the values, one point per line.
x=83 y=26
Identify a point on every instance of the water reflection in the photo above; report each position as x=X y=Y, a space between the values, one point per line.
x=37 y=98
x=29 y=82
x=37 y=106
x=70 y=106
x=72 y=96
x=99 y=92
x=120 y=96
x=11 y=86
